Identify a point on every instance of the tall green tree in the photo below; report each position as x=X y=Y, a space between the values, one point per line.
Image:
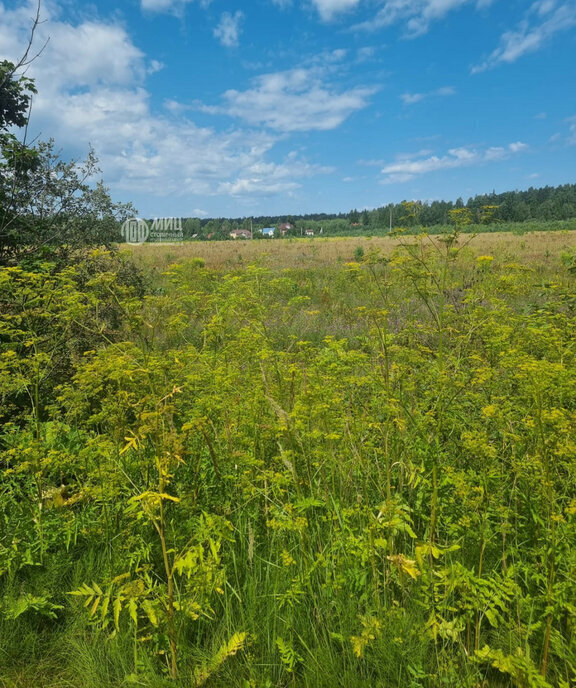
x=47 y=205
x=15 y=93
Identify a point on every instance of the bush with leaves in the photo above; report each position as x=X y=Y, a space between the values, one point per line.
x=48 y=206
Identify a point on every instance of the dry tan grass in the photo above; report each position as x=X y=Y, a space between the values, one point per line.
x=301 y=253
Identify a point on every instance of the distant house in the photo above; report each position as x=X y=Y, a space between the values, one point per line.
x=284 y=227
x=268 y=231
x=241 y=234
x=309 y=232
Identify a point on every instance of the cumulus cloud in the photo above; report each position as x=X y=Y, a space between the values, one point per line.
x=294 y=100
x=412 y=98
x=89 y=53
x=543 y=20
x=406 y=169
x=91 y=83
x=228 y=30
x=263 y=178
x=517 y=147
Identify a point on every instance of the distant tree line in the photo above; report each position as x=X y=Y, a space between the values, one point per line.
x=540 y=204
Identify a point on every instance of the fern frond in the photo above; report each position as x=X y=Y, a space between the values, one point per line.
x=228 y=649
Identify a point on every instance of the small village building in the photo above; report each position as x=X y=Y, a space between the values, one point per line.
x=241 y=234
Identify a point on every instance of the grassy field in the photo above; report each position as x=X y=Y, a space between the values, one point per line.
x=275 y=464
x=318 y=251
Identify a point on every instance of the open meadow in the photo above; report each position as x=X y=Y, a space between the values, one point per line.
x=325 y=251
x=282 y=463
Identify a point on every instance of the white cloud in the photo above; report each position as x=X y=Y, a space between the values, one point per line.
x=412 y=98
x=417 y=15
x=328 y=9
x=87 y=54
x=263 y=178
x=405 y=170
x=155 y=66
x=336 y=55
x=495 y=153
x=517 y=147
x=295 y=100
x=175 y=6
x=543 y=7
x=91 y=90
x=256 y=185
x=365 y=53
x=431 y=11
x=228 y=30
x=541 y=22
x=157 y=5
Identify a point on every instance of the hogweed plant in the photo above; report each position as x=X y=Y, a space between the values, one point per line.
x=356 y=474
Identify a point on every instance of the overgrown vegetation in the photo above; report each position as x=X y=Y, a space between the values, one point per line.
x=355 y=475
x=316 y=472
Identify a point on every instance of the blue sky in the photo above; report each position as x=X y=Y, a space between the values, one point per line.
x=222 y=108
